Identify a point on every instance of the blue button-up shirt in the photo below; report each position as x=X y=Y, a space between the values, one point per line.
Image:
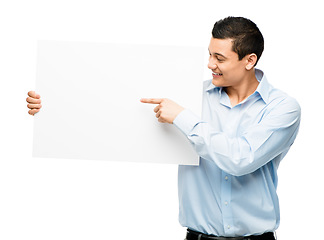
x=233 y=190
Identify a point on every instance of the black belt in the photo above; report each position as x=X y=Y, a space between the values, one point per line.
x=192 y=235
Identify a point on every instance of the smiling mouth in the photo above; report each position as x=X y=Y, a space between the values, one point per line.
x=217 y=74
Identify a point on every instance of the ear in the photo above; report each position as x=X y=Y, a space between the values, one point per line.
x=251 y=59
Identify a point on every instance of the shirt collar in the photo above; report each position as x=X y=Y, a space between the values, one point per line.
x=263 y=87
x=211 y=86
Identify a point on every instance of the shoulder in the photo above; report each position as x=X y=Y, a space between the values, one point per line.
x=278 y=98
x=282 y=108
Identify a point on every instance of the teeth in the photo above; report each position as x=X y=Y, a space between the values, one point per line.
x=217 y=74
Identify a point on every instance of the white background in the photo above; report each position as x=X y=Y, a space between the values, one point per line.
x=84 y=199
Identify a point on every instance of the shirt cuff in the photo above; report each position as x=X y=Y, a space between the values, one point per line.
x=186 y=121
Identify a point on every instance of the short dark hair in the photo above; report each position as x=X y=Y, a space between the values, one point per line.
x=246 y=36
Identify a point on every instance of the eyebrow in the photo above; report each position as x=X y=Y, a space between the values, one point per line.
x=218 y=54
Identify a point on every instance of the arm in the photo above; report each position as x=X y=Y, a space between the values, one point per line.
x=244 y=154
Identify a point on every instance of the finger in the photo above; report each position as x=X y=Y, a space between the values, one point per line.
x=157 y=108
x=33 y=94
x=34 y=106
x=152 y=100
x=33 y=100
x=158 y=114
x=161 y=120
x=33 y=111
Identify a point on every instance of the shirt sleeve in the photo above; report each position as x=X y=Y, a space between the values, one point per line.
x=258 y=145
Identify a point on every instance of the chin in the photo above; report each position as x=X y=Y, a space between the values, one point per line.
x=219 y=83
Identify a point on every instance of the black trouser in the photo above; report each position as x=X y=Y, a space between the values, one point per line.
x=192 y=235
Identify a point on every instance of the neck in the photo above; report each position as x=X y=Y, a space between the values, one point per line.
x=244 y=89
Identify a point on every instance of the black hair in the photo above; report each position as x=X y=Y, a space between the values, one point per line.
x=246 y=36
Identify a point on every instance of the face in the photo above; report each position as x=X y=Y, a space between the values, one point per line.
x=227 y=70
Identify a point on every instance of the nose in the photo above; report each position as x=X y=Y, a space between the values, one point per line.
x=211 y=64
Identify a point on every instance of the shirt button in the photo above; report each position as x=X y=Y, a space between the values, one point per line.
x=226 y=203
x=228 y=226
x=226 y=178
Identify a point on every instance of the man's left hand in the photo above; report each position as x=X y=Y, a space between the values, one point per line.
x=166 y=110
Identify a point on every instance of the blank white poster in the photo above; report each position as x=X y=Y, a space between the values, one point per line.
x=91 y=105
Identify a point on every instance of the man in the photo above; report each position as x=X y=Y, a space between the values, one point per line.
x=247 y=127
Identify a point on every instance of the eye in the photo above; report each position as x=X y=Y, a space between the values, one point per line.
x=219 y=59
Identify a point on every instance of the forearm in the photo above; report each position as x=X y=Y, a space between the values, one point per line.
x=238 y=155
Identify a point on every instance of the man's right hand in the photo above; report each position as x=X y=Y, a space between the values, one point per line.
x=34 y=102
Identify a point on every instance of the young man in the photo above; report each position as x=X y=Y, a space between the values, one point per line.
x=247 y=127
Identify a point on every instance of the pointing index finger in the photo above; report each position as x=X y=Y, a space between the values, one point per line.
x=151 y=100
